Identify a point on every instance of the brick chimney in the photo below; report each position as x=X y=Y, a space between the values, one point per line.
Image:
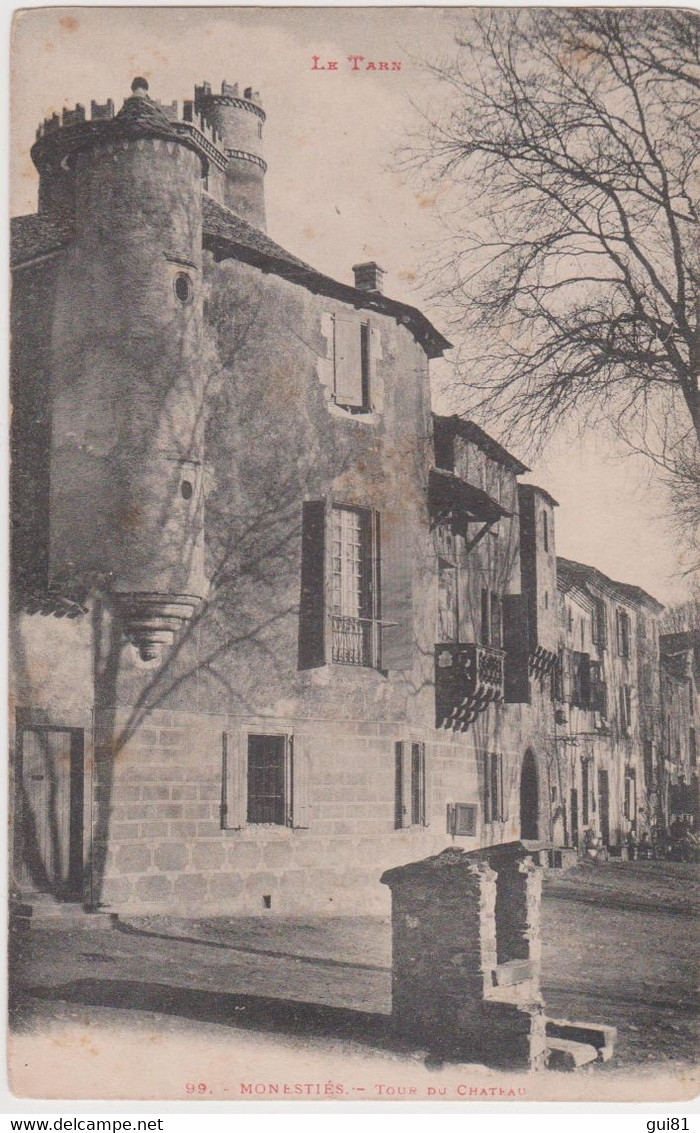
x=368 y=277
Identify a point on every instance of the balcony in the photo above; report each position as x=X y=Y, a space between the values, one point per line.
x=353 y=640
x=468 y=678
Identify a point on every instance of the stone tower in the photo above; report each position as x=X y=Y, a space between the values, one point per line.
x=126 y=499
x=239 y=121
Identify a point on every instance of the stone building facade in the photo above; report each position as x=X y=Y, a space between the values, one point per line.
x=276 y=627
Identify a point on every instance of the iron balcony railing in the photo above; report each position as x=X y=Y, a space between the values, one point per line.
x=354 y=640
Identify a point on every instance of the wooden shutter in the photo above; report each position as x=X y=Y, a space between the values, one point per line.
x=234 y=798
x=402 y=752
x=488 y=800
x=517 y=647
x=312 y=605
x=485 y=619
x=496 y=623
x=348 y=361
x=567 y=676
x=502 y=792
x=396 y=573
x=427 y=787
x=300 y=767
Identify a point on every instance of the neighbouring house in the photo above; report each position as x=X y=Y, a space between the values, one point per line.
x=276 y=626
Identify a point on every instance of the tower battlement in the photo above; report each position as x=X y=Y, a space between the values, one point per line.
x=250 y=99
x=225 y=130
x=183 y=117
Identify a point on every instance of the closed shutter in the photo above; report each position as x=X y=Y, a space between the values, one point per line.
x=403 y=785
x=300 y=764
x=348 y=361
x=396 y=573
x=235 y=782
x=312 y=605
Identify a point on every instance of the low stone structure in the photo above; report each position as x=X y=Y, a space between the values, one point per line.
x=467 y=959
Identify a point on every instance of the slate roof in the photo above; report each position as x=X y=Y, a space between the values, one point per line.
x=228 y=236
x=571 y=573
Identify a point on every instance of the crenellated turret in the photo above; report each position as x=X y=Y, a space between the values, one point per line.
x=126 y=496
x=239 y=120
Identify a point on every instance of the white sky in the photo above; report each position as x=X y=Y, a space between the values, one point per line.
x=334 y=196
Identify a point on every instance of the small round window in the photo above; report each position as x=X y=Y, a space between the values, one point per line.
x=186 y=490
x=183 y=287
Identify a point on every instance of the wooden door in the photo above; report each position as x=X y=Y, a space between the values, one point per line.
x=50 y=786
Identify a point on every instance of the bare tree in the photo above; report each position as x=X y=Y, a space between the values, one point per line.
x=569 y=140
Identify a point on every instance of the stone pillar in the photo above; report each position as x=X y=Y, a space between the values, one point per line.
x=465 y=978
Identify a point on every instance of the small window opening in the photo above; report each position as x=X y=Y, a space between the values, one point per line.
x=183 y=287
x=186 y=490
x=267 y=901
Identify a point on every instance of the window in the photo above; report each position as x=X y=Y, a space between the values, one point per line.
x=693 y=748
x=351 y=363
x=598 y=689
x=623 y=633
x=183 y=287
x=461 y=820
x=625 y=708
x=581 y=692
x=356 y=604
x=599 y=628
x=494 y=794
x=569 y=620
x=353 y=586
x=266 y=779
x=545 y=531
x=410 y=784
x=491 y=619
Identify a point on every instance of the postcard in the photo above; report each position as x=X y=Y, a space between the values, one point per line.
x=354 y=635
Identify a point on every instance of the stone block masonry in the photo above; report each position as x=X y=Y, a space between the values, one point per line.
x=160 y=843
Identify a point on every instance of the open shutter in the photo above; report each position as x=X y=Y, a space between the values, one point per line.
x=300 y=766
x=427 y=787
x=495 y=787
x=312 y=605
x=485 y=638
x=517 y=647
x=496 y=637
x=488 y=783
x=234 y=795
x=348 y=361
x=503 y=793
x=396 y=573
x=403 y=784
x=567 y=676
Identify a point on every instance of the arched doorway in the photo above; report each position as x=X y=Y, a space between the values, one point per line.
x=529 y=798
